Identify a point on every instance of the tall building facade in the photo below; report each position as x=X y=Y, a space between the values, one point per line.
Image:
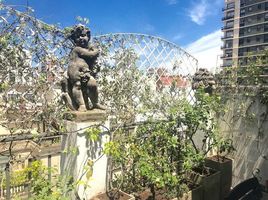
x=245 y=30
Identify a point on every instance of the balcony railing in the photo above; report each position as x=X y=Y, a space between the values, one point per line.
x=228 y=17
x=226 y=47
x=227 y=37
x=247 y=14
x=226 y=8
x=243 y=5
x=227 y=27
x=226 y=56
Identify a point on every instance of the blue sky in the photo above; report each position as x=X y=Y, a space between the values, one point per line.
x=192 y=24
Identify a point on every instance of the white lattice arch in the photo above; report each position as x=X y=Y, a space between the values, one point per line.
x=153 y=52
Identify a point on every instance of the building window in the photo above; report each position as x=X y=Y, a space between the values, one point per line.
x=265 y=27
x=258 y=39
x=241 y=41
x=242 y=22
x=248 y=40
x=249 y=19
x=241 y=32
x=230 y=5
x=227 y=62
x=228 y=53
x=229 y=33
x=265 y=38
x=230 y=14
x=230 y=24
x=259 y=6
x=259 y=17
x=229 y=44
x=266 y=16
x=242 y=12
x=249 y=9
x=258 y=28
x=249 y=30
x=242 y=3
x=266 y=5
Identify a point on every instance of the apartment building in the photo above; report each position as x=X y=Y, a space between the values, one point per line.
x=245 y=30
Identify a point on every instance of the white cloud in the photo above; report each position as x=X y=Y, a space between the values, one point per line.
x=207 y=50
x=198 y=12
x=201 y=9
x=172 y=2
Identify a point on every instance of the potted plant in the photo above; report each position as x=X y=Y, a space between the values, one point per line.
x=223 y=164
x=207 y=177
x=197 y=119
x=152 y=161
x=212 y=104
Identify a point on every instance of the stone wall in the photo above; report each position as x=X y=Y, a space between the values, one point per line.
x=246 y=123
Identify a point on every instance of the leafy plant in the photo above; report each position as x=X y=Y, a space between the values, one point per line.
x=92 y=134
x=223 y=147
x=44 y=189
x=155 y=156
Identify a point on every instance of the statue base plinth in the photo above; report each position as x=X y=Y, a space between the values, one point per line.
x=87 y=116
x=80 y=150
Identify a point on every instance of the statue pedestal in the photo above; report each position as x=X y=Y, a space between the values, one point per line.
x=78 y=150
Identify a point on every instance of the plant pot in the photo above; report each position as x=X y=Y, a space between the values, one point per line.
x=225 y=168
x=194 y=194
x=209 y=182
x=119 y=196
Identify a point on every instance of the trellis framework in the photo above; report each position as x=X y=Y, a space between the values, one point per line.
x=153 y=52
x=136 y=70
x=159 y=64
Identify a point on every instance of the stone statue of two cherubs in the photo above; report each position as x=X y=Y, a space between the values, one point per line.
x=80 y=85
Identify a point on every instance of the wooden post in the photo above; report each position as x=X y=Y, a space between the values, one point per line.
x=8 y=195
x=29 y=179
x=49 y=167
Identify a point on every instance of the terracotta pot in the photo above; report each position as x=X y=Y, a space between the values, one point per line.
x=210 y=183
x=225 y=168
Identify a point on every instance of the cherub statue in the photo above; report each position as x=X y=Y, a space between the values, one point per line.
x=80 y=84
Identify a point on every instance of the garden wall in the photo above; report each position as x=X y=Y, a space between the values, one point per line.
x=246 y=123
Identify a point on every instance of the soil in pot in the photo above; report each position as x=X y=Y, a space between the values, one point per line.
x=147 y=195
x=113 y=195
x=224 y=165
x=195 y=193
